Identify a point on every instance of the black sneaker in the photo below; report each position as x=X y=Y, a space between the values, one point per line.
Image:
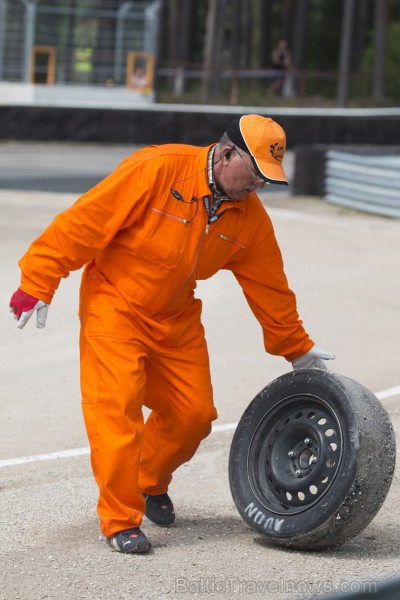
x=160 y=509
x=129 y=541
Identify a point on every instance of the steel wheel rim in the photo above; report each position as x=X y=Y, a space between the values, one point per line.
x=295 y=454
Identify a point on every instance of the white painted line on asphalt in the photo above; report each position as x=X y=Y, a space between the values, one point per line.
x=10 y=462
x=393 y=391
x=37 y=457
x=224 y=427
x=81 y=451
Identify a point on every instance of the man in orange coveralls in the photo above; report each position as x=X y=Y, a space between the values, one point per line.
x=167 y=216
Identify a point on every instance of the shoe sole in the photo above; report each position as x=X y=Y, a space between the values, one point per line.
x=162 y=523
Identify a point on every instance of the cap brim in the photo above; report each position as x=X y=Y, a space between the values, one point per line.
x=270 y=173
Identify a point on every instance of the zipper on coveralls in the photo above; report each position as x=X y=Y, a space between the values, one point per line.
x=231 y=240
x=169 y=216
x=196 y=258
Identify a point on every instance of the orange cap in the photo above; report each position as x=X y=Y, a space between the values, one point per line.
x=265 y=141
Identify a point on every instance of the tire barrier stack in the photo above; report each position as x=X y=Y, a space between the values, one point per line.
x=368 y=182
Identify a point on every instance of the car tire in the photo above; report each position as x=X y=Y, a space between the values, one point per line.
x=312 y=459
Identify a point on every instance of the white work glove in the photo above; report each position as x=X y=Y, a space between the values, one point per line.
x=313 y=359
x=23 y=305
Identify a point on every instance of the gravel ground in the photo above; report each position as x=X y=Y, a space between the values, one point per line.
x=52 y=549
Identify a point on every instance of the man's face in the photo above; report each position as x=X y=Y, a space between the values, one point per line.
x=235 y=174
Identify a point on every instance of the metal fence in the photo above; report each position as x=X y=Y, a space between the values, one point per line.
x=58 y=42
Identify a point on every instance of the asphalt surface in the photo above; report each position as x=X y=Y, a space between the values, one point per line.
x=50 y=167
x=344 y=268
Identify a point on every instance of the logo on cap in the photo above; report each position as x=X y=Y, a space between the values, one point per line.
x=277 y=151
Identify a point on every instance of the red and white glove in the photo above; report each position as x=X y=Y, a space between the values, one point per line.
x=23 y=306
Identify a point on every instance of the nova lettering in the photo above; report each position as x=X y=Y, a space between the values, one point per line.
x=261 y=518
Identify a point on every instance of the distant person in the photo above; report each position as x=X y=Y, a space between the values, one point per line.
x=139 y=78
x=281 y=63
x=168 y=216
x=83 y=63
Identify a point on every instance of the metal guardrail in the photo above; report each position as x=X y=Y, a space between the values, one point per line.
x=363 y=181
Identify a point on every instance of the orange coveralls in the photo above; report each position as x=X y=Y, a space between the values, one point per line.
x=142 y=341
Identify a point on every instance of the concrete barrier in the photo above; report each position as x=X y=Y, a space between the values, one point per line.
x=103 y=116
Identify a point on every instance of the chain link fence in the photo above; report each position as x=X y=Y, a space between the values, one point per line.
x=62 y=43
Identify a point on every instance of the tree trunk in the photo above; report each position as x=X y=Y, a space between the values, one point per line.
x=287 y=19
x=379 y=50
x=210 y=46
x=265 y=41
x=235 y=51
x=345 y=51
x=179 y=26
x=298 y=45
x=248 y=29
x=360 y=34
